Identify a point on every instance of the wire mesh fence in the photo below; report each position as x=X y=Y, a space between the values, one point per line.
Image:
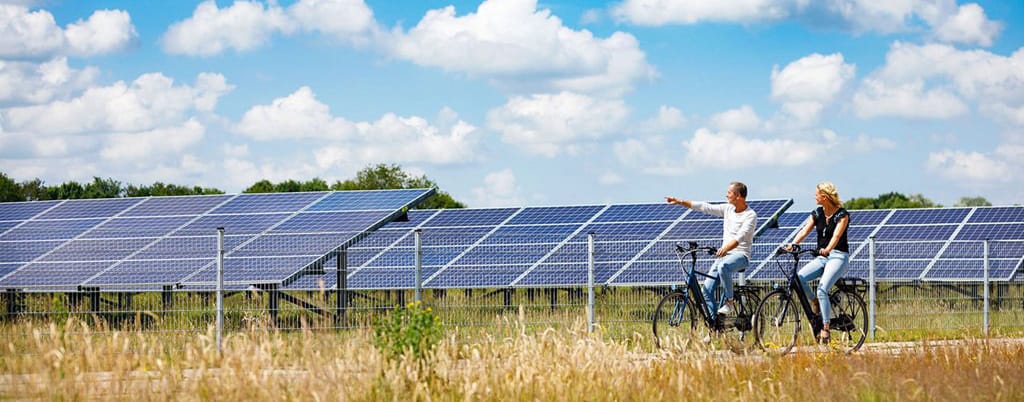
x=475 y=281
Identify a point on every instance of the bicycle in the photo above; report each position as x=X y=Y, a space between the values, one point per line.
x=777 y=320
x=676 y=314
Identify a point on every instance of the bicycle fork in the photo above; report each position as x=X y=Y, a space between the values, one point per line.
x=678 y=311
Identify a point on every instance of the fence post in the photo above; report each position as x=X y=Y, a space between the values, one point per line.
x=986 y=284
x=220 y=288
x=871 y=287
x=419 y=265
x=590 y=282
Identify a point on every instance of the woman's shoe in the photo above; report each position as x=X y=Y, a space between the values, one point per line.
x=824 y=337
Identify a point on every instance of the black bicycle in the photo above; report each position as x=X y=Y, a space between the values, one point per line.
x=777 y=321
x=675 y=318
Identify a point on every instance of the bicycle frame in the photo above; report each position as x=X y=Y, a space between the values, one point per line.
x=795 y=287
x=693 y=286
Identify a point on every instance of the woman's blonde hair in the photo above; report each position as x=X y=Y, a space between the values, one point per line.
x=827 y=189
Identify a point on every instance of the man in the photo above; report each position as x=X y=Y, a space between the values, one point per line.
x=737 y=237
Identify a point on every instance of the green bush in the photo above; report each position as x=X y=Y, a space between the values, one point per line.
x=414 y=330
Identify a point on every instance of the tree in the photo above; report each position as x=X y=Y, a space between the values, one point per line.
x=66 y=191
x=890 y=201
x=978 y=201
x=103 y=188
x=383 y=176
x=9 y=189
x=262 y=186
x=34 y=190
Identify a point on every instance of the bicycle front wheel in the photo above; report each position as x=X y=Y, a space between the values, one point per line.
x=777 y=322
x=674 y=321
x=849 y=321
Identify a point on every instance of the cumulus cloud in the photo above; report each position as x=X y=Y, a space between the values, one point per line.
x=246 y=25
x=728 y=150
x=667 y=119
x=516 y=46
x=964 y=24
x=391 y=138
x=149 y=102
x=877 y=98
x=959 y=165
x=741 y=119
x=25 y=83
x=935 y=81
x=806 y=86
x=26 y=34
x=552 y=124
x=499 y=189
x=138 y=147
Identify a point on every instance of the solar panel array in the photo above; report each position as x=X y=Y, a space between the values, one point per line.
x=143 y=243
x=531 y=246
x=924 y=244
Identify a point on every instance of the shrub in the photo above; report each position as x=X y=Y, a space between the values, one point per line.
x=413 y=330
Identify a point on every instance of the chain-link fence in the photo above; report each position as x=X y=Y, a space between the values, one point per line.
x=494 y=287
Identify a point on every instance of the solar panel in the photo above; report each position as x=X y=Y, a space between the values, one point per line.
x=928 y=243
x=532 y=246
x=271 y=238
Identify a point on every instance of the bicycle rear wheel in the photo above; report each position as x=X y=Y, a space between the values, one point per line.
x=777 y=322
x=746 y=305
x=849 y=321
x=674 y=320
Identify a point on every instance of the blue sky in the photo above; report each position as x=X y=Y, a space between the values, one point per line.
x=515 y=102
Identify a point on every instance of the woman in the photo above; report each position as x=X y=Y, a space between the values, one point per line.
x=830 y=221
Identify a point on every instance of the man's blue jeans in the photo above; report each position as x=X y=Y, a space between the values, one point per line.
x=724 y=267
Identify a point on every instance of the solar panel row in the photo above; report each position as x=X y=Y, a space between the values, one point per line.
x=532 y=246
x=158 y=241
x=926 y=244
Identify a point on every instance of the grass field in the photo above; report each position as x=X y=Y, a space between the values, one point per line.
x=73 y=362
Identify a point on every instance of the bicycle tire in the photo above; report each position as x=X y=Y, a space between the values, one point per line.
x=849 y=319
x=747 y=302
x=673 y=319
x=777 y=322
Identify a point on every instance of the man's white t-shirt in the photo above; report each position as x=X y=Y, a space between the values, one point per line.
x=737 y=226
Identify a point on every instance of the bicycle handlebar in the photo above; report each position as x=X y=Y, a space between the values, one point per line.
x=694 y=248
x=795 y=250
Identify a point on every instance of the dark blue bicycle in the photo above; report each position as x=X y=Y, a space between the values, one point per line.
x=675 y=319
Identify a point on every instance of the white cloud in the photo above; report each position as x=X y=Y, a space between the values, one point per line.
x=947 y=22
x=105 y=31
x=498 y=190
x=299 y=115
x=958 y=165
x=663 y=12
x=969 y=25
x=667 y=119
x=1008 y=114
x=653 y=155
x=391 y=138
x=591 y=16
x=610 y=178
x=151 y=101
x=727 y=150
x=141 y=146
x=211 y=30
x=876 y=98
x=552 y=124
x=815 y=77
x=23 y=83
x=806 y=86
x=246 y=25
x=35 y=34
x=518 y=47
x=741 y=119
x=865 y=144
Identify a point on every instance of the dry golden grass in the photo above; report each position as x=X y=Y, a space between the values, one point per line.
x=71 y=362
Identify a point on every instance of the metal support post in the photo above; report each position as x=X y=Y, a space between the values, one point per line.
x=220 y=288
x=419 y=265
x=341 y=302
x=590 y=282
x=987 y=286
x=872 y=289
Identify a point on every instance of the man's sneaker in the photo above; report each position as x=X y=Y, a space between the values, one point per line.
x=706 y=338
x=726 y=309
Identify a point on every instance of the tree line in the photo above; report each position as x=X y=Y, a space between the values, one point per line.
x=374 y=177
